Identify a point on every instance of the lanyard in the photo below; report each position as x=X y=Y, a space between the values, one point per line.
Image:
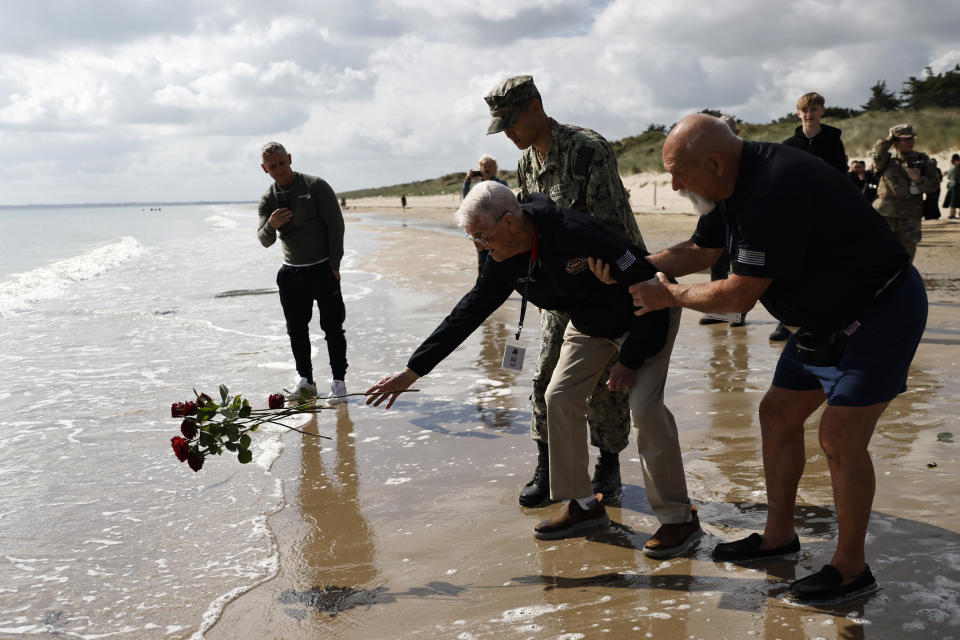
x=526 y=285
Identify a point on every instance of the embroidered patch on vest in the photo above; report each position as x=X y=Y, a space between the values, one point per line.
x=575 y=265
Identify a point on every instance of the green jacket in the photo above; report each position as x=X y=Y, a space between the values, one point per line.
x=316 y=230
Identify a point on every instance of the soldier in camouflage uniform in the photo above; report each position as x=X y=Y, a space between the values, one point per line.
x=577 y=169
x=903 y=179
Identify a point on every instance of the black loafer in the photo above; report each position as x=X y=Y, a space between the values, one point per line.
x=749 y=549
x=825 y=587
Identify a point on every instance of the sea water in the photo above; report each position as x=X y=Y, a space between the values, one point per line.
x=107 y=316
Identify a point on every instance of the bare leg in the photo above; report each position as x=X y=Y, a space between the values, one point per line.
x=844 y=435
x=782 y=414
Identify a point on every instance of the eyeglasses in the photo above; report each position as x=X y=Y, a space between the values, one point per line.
x=483 y=242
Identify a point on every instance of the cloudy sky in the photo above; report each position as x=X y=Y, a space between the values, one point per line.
x=143 y=100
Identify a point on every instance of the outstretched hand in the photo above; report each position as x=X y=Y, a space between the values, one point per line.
x=391 y=386
x=653 y=294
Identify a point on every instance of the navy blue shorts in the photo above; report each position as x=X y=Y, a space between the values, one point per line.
x=875 y=362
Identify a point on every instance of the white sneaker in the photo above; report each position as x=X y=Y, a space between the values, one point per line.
x=338 y=389
x=304 y=389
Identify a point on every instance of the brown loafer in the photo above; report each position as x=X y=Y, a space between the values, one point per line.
x=573 y=521
x=673 y=539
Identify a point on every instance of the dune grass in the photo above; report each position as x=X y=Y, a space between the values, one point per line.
x=937 y=130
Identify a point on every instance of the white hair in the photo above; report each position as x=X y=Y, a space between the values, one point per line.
x=486 y=202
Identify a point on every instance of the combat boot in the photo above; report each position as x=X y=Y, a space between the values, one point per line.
x=536 y=493
x=606 y=477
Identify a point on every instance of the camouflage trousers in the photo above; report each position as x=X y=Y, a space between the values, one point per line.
x=907 y=231
x=608 y=412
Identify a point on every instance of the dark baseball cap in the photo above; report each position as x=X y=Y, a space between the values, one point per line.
x=507 y=99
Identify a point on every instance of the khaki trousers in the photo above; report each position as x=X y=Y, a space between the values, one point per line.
x=582 y=360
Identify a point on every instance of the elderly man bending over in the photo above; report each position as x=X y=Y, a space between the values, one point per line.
x=541 y=251
x=816 y=254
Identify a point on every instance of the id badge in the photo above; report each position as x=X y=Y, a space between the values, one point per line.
x=513 y=355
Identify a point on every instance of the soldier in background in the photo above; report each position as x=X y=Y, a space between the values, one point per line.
x=577 y=169
x=903 y=179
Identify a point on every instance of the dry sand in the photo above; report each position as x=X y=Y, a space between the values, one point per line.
x=408 y=526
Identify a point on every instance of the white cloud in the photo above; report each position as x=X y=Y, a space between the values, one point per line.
x=171 y=100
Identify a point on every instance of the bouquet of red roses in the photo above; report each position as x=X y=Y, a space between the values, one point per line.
x=209 y=427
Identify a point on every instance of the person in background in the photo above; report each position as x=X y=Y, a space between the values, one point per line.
x=577 y=169
x=931 y=200
x=303 y=211
x=903 y=179
x=821 y=140
x=952 y=199
x=403 y=201
x=721 y=268
x=864 y=180
x=486 y=170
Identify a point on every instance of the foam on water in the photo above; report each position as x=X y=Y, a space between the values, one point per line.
x=50 y=281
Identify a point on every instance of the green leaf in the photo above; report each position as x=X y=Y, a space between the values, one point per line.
x=244 y=456
x=246 y=409
x=207 y=440
x=245 y=441
x=945 y=436
x=230 y=446
x=223 y=393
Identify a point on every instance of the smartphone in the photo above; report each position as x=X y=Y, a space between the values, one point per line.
x=475 y=174
x=283 y=200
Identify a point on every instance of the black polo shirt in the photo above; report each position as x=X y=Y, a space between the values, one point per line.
x=560 y=281
x=800 y=222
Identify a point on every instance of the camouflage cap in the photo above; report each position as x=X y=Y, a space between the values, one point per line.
x=904 y=130
x=507 y=99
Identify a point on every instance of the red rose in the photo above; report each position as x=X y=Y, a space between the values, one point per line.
x=180 y=448
x=203 y=399
x=177 y=410
x=188 y=428
x=189 y=408
x=275 y=401
x=195 y=460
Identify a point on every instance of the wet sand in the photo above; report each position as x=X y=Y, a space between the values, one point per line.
x=407 y=525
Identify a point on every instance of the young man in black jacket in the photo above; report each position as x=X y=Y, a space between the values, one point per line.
x=542 y=251
x=821 y=140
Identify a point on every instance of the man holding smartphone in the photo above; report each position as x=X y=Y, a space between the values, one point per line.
x=303 y=211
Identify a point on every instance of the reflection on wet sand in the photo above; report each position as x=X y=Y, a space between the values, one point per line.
x=337 y=552
x=426 y=540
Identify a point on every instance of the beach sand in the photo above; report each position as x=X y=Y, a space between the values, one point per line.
x=406 y=525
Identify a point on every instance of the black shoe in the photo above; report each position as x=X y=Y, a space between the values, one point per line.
x=780 y=334
x=536 y=493
x=749 y=549
x=606 y=477
x=826 y=587
x=741 y=321
x=709 y=320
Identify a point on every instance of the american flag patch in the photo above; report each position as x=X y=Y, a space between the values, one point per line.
x=756 y=258
x=625 y=261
